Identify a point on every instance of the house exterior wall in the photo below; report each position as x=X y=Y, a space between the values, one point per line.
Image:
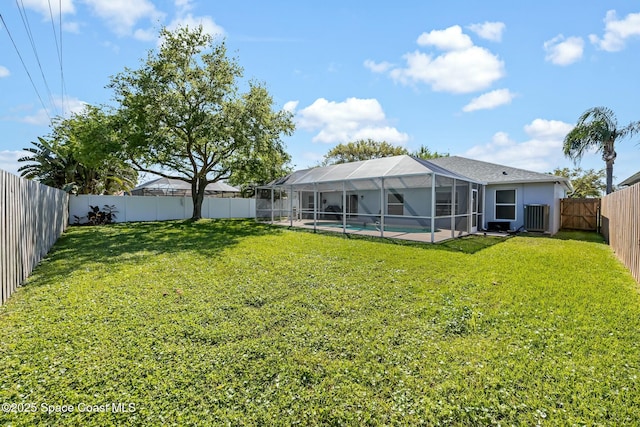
x=547 y=193
x=417 y=201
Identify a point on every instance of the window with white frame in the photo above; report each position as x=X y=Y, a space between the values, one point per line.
x=506 y=205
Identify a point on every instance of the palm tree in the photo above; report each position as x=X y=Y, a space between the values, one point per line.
x=56 y=166
x=47 y=165
x=598 y=128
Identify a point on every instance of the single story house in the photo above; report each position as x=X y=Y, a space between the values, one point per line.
x=412 y=198
x=514 y=197
x=177 y=187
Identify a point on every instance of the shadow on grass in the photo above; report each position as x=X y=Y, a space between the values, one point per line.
x=137 y=241
x=469 y=244
x=583 y=236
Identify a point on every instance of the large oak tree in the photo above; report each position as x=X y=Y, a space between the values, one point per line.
x=183 y=116
x=366 y=149
x=362 y=149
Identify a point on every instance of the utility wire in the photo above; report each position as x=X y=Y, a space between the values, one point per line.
x=25 y=22
x=58 y=48
x=64 y=84
x=25 y=66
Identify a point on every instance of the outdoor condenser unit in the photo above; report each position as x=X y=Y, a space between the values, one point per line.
x=536 y=217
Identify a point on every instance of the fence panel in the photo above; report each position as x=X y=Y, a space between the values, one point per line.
x=580 y=214
x=621 y=226
x=33 y=216
x=161 y=208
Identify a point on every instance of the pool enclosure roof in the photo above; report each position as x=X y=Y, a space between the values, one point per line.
x=387 y=167
x=177 y=185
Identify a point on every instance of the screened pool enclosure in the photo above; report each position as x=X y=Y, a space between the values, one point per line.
x=400 y=197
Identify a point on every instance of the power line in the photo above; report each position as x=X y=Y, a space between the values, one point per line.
x=58 y=48
x=27 y=26
x=25 y=66
x=64 y=84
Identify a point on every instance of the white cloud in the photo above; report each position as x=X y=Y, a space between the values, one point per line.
x=451 y=38
x=42 y=117
x=208 y=24
x=461 y=68
x=548 y=129
x=71 y=27
x=617 y=31
x=459 y=71
x=38 y=118
x=347 y=121
x=71 y=105
x=489 y=30
x=48 y=7
x=381 y=67
x=146 y=35
x=123 y=15
x=489 y=100
x=183 y=6
x=561 y=51
x=542 y=152
x=51 y=8
x=9 y=160
x=111 y=46
x=4 y=72
x=290 y=106
x=380 y=133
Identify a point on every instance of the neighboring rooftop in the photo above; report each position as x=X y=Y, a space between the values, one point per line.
x=177 y=187
x=491 y=173
x=633 y=179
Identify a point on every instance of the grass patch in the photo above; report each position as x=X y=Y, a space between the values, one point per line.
x=232 y=322
x=585 y=236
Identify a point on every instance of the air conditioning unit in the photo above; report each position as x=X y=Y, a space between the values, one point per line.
x=536 y=217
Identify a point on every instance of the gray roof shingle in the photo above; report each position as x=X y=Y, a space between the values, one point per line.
x=491 y=173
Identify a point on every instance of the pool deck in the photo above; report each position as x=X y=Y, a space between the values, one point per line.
x=424 y=237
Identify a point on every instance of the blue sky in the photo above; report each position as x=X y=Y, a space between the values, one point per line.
x=495 y=81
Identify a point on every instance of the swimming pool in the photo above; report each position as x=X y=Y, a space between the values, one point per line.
x=369 y=226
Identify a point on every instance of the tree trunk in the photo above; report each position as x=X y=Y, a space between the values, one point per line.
x=609 y=176
x=197 y=194
x=609 y=156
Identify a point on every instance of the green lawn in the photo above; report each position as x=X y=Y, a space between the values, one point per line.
x=232 y=322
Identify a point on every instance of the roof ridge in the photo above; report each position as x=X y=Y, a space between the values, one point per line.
x=499 y=165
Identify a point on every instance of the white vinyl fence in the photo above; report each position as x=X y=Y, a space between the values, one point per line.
x=160 y=208
x=32 y=217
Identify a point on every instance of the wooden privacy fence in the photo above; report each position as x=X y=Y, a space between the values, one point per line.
x=33 y=216
x=621 y=226
x=580 y=214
